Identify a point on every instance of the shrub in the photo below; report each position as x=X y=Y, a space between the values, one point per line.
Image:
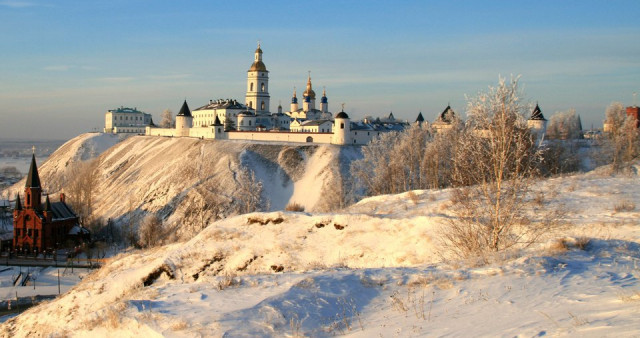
x=293 y=206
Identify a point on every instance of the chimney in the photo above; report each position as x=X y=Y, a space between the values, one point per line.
x=62 y=197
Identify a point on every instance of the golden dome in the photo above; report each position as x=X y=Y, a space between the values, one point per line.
x=309 y=92
x=258 y=66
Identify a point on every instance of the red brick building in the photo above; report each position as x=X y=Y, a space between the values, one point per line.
x=633 y=111
x=38 y=227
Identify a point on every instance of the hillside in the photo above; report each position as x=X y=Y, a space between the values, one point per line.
x=374 y=269
x=178 y=178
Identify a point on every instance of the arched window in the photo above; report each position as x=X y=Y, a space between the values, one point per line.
x=341 y=125
x=309 y=139
x=249 y=122
x=251 y=89
x=262 y=105
x=262 y=87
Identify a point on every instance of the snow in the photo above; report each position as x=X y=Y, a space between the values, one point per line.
x=374 y=269
x=163 y=175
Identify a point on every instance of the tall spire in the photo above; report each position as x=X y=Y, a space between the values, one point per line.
x=309 y=92
x=18 y=204
x=33 y=179
x=47 y=204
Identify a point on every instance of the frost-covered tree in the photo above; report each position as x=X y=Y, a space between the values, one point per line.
x=81 y=186
x=622 y=143
x=248 y=195
x=167 y=119
x=565 y=126
x=395 y=162
x=494 y=161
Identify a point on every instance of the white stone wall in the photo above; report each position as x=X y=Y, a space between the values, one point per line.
x=161 y=132
x=354 y=137
x=324 y=138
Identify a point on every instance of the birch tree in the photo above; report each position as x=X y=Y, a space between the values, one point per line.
x=167 y=119
x=495 y=163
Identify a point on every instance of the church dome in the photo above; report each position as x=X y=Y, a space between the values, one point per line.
x=342 y=115
x=310 y=93
x=258 y=66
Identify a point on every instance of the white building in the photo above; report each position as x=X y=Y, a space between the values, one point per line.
x=126 y=120
x=254 y=122
x=311 y=126
x=225 y=110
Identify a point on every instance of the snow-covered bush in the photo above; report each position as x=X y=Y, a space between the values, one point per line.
x=495 y=164
x=622 y=143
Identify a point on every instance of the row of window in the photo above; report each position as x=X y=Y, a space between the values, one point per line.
x=137 y=118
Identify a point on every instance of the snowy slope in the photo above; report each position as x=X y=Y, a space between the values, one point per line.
x=175 y=177
x=375 y=269
x=80 y=148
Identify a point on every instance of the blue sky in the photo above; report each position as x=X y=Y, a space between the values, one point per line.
x=63 y=64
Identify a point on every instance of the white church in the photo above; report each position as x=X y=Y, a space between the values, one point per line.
x=228 y=119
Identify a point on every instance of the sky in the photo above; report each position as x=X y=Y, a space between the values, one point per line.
x=63 y=63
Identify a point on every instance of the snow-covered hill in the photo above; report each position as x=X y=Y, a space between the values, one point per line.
x=176 y=178
x=375 y=269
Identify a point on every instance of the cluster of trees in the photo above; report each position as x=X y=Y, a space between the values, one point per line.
x=492 y=160
x=622 y=143
x=565 y=126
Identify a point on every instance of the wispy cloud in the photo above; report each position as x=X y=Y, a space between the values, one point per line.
x=170 y=77
x=57 y=68
x=116 y=79
x=21 y=4
x=64 y=68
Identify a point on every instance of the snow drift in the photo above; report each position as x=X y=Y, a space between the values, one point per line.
x=373 y=269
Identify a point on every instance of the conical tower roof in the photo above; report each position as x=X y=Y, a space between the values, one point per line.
x=217 y=121
x=537 y=114
x=47 y=204
x=420 y=118
x=185 y=111
x=33 y=179
x=447 y=115
x=18 y=204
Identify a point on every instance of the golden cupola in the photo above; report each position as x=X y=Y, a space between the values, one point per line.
x=258 y=65
x=309 y=91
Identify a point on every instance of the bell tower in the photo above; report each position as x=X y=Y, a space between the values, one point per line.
x=257 y=97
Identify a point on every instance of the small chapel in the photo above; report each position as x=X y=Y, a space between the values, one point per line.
x=42 y=227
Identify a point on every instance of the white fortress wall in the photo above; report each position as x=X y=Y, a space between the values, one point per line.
x=161 y=131
x=279 y=136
